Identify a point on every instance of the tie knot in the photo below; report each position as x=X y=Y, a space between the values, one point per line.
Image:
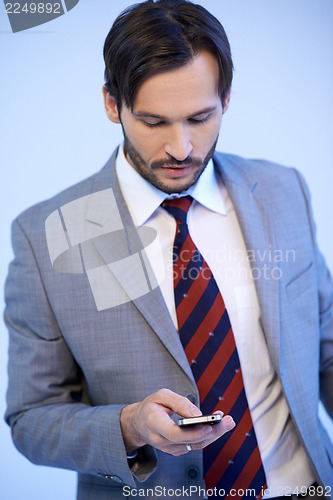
x=178 y=208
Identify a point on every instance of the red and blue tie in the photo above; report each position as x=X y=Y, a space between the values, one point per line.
x=232 y=464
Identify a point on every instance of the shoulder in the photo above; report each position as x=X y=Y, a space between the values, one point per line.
x=252 y=166
x=273 y=178
x=33 y=218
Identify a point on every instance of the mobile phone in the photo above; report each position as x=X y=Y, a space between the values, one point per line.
x=204 y=419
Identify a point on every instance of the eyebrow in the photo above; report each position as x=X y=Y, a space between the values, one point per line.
x=146 y=114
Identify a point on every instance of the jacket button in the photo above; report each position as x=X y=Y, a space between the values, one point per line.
x=192 y=473
x=192 y=397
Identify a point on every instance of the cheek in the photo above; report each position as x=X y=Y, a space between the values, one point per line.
x=204 y=137
x=149 y=144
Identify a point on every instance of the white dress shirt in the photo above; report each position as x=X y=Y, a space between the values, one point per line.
x=214 y=228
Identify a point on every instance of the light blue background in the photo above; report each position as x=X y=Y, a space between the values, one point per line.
x=54 y=131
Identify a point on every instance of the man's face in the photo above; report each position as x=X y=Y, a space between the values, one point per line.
x=172 y=131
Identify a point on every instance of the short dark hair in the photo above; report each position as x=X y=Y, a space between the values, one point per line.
x=156 y=36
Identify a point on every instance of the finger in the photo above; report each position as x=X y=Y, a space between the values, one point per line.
x=149 y=421
x=177 y=403
x=218 y=431
x=194 y=432
x=176 y=450
x=176 y=434
x=199 y=438
x=198 y=433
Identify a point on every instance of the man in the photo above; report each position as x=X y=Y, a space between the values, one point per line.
x=102 y=359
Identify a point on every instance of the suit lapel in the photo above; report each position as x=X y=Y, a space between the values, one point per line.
x=254 y=213
x=255 y=217
x=135 y=277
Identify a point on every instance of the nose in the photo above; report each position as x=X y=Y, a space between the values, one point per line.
x=178 y=143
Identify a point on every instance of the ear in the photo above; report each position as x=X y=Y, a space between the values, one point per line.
x=111 y=107
x=226 y=102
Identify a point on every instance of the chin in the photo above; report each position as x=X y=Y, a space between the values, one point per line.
x=170 y=186
x=174 y=188
x=180 y=186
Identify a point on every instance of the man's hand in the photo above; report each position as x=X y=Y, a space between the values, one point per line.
x=149 y=422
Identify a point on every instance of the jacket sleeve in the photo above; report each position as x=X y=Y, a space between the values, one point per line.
x=48 y=408
x=325 y=297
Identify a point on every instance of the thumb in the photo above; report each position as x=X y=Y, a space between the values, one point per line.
x=177 y=403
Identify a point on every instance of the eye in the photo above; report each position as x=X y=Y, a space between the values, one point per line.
x=197 y=121
x=153 y=124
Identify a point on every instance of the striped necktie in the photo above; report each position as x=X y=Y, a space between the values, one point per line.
x=232 y=464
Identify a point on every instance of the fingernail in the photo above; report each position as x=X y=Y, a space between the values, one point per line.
x=195 y=411
x=230 y=423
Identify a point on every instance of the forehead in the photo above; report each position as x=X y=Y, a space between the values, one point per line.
x=181 y=91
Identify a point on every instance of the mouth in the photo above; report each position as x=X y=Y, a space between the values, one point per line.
x=175 y=171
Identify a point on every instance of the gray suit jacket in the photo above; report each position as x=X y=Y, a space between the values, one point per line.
x=90 y=332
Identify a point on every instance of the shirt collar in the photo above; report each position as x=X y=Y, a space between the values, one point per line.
x=135 y=189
